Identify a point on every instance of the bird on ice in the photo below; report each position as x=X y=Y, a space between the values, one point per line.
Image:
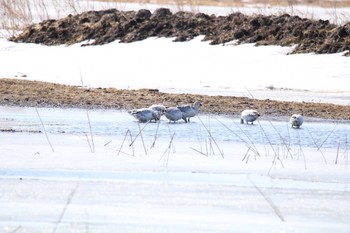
x=173 y=114
x=189 y=111
x=249 y=115
x=145 y=114
x=296 y=120
x=158 y=108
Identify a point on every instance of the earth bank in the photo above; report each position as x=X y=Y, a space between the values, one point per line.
x=17 y=92
x=307 y=35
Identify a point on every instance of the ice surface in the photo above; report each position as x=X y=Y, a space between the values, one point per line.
x=180 y=184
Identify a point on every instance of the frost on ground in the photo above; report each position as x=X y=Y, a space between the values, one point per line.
x=188 y=179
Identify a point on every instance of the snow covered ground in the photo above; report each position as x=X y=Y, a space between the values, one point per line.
x=192 y=67
x=211 y=175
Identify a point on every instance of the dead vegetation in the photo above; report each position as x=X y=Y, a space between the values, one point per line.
x=15 y=92
x=101 y=27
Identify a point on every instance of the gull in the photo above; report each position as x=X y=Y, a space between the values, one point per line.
x=145 y=114
x=296 y=120
x=173 y=114
x=189 y=111
x=249 y=115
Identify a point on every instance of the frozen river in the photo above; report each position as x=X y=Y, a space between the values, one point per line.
x=317 y=134
x=182 y=177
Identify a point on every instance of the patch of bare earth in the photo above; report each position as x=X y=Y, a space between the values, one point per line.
x=15 y=92
x=101 y=27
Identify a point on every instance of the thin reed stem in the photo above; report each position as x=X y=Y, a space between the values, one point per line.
x=140 y=131
x=155 y=136
x=16 y=229
x=327 y=136
x=301 y=150
x=249 y=146
x=143 y=142
x=315 y=143
x=168 y=150
x=283 y=142
x=211 y=136
x=276 y=157
x=69 y=199
x=126 y=135
x=336 y=158
x=91 y=135
x=200 y=152
x=42 y=124
x=268 y=200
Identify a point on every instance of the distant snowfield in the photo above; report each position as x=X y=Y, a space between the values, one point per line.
x=191 y=67
x=195 y=177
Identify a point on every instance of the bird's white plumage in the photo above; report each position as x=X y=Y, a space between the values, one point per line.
x=144 y=114
x=189 y=111
x=173 y=114
x=296 y=120
x=249 y=115
x=158 y=108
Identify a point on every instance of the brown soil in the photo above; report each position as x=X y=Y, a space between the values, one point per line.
x=315 y=36
x=14 y=92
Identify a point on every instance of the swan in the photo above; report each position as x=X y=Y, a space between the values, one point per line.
x=173 y=114
x=145 y=114
x=296 y=120
x=189 y=111
x=249 y=115
x=157 y=107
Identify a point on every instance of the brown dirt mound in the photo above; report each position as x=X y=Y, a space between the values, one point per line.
x=24 y=93
x=316 y=36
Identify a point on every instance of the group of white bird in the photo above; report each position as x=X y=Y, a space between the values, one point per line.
x=173 y=114
x=185 y=112
x=250 y=115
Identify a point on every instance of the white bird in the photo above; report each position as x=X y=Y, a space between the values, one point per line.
x=173 y=114
x=296 y=120
x=145 y=114
x=189 y=111
x=158 y=108
x=249 y=115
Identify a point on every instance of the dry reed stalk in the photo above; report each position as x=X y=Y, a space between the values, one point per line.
x=140 y=131
x=276 y=157
x=301 y=150
x=283 y=141
x=212 y=138
x=335 y=126
x=315 y=143
x=69 y=199
x=128 y=132
x=107 y=143
x=200 y=152
x=42 y=124
x=268 y=200
x=88 y=140
x=346 y=148
x=156 y=135
x=168 y=149
x=16 y=229
x=249 y=146
x=143 y=142
x=92 y=148
x=336 y=157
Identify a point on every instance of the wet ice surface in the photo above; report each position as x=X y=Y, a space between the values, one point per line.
x=182 y=184
x=227 y=129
